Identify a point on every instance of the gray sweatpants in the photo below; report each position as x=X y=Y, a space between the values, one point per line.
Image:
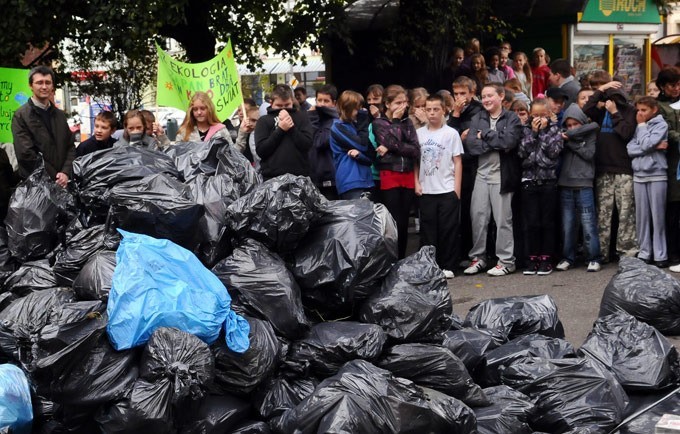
x=650 y=219
x=487 y=199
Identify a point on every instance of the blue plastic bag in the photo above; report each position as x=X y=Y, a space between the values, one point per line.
x=157 y=283
x=16 y=411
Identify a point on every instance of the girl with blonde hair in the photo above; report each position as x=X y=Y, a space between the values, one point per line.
x=201 y=123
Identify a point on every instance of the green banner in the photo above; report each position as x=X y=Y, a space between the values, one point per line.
x=218 y=77
x=14 y=92
x=621 y=11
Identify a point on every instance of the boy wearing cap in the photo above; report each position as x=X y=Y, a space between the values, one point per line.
x=558 y=100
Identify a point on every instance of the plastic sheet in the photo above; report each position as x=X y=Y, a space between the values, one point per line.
x=31 y=276
x=434 y=367
x=261 y=286
x=509 y=413
x=196 y=158
x=450 y=414
x=242 y=373
x=183 y=294
x=158 y=206
x=38 y=212
x=533 y=345
x=569 y=393
x=346 y=254
x=281 y=393
x=95 y=279
x=512 y=317
x=96 y=173
x=414 y=302
x=277 y=213
x=16 y=412
x=233 y=164
x=8 y=265
x=646 y=292
x=330 y=345
x=217 y=415
x=469 y=345
x=362 y=398
x=638 y=355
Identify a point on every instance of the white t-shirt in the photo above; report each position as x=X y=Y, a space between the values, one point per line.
x=437 y=149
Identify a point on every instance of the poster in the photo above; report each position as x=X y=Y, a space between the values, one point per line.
x=218 y=77
x=14 y=92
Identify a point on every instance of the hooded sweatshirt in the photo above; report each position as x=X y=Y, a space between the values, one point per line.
x=578 y=156
x=320 y=156
x=649 y=163
x=616 y=131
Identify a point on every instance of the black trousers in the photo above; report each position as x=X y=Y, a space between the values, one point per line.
x=539 y=212
x=399 y=202
x=439 y=223
x=673 y=230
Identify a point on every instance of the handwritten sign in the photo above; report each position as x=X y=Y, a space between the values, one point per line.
x=218 y=77
x=14 y=92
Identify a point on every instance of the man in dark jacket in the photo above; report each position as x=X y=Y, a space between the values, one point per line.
x=283 y=137
x=322 y=116
x=609 y=107
x=494 y=135
x=40 y=131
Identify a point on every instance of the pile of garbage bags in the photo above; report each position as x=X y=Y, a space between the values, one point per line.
x=177 y=292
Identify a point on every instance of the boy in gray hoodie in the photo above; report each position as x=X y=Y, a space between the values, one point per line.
x=576 y=189
x=647 y=148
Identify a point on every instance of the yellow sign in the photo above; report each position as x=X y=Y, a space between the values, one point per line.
x=621 y=11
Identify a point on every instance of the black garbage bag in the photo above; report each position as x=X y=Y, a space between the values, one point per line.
x=76 y=252
x=38 y=212
x=217 y=414
x=72 y=330
x=31 y=276
x=346 y=253
x=569 y=393
x=533 y=345
x=8 y=264
x=96 y=173
x=180 y=357
x=94 y=280
x=362 y=398
x=281 y=393
x=158 y=206
x=509 y=412
x=196 y=158
x=233 y=164
x=251 y=427
x=451 y=415
x=101 y=375
x=414 y=302
x=330 y=345
x=638 y=355
x=21 y=322
x=241 y=373
x=435 y=367
x=646 y=292
x=260 y=285
x=278 y=213
x=512 y=317
x=215 y=193
x=645 y=418
x=148 y=409
x=469 y=345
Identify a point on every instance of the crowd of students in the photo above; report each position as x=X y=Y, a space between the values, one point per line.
x=516 y=149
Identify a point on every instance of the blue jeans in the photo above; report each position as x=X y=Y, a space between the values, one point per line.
x=577 y=202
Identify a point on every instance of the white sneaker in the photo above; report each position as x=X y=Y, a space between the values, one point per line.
x=564 y=265
x=501 y=270
x=475 y=267
x=675 y=268
x=594 y=266
x=449 y=274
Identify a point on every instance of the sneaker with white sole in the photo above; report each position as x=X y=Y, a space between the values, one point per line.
x=532 y=268
x=674 y=268
x=594 y=266
x=501 y=270
x=475 y=267
x=449 y=274
x=564 y=265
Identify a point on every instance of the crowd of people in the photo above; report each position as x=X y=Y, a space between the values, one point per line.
x=513 y=160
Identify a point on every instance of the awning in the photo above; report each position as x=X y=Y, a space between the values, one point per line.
x=280 y=66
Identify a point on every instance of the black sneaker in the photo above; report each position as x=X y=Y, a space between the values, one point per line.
x=545 y=268
x=532 y=269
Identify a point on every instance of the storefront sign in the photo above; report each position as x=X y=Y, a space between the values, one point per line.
x=621 y=11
